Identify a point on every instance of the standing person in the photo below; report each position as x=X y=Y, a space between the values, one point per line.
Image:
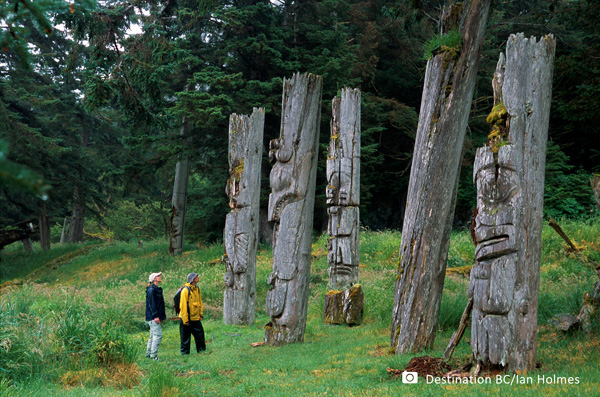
x=155 y=314
x=191 y=313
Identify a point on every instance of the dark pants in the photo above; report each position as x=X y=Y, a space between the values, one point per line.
x=186 y=332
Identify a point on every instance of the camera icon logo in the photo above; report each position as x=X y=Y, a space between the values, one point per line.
x=410 y=377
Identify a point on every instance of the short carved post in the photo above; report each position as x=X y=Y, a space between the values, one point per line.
x=241 y=224
x=291 y=206
x=343 y=197
x=509 y=176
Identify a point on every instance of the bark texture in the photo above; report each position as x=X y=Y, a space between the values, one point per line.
x=44 y=227
x=449 y=83
x=178 y=202
x=291 y=206
x=343 y=197
x=595 y=181
x=242 y=223
x=509 y=176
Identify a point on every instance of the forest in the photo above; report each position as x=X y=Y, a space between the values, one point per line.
x=138 y=143
x=93 y=96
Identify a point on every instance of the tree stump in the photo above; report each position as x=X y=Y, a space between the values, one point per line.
x=343 y=197
x=242 y=223
x=344 y=307
x=445 y=105
x=291 y=206
x=509 y=176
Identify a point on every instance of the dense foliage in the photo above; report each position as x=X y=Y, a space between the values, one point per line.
x=92 y=101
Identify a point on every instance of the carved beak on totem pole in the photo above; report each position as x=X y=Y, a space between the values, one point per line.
x=498 y=204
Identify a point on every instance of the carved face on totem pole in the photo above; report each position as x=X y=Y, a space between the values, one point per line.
x=342 y=246
x=339 y=181
x=493 y=277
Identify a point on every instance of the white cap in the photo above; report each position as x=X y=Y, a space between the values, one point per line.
x=153 y=275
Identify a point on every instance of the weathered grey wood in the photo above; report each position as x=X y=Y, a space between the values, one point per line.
x=445 y=105
x=76 y=224
x=509 y=175
x=178 y=201
x=241 y=224
x=462 y=326
x=291 y=206
x=562 y=234
x=44 y=227
x=343 y=190
x=595 y=181
x=65 y=230
x=343 y=196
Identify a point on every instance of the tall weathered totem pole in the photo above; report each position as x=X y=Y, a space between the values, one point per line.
x=178 y=202
x=291 y=206
x=445 y=105
x=241 y=224
x=344 y=302
x=509 y=175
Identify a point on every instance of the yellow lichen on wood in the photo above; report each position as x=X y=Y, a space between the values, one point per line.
x=497 y=115
x=237 y=171
x=498 y=118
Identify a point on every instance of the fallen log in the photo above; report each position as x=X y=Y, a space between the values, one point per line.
x=17 y=232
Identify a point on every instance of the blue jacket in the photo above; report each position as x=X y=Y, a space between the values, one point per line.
x=155 y=303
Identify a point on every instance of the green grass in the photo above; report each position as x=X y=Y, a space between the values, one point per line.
x=78 y=329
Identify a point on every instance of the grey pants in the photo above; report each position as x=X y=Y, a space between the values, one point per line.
x=155 y=338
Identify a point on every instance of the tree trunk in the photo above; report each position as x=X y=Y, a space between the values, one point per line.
x=17 y=232
x=343 y=196
x=65 y=230
x=44 y=228
x=180 y=186
x=595 y=181
x=241 y=225
x=509 y=175
x=27 y=244
x=76 y=224
x=291 y=206
x=445 y=105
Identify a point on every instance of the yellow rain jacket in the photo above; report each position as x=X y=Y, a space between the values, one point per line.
x=195 y=310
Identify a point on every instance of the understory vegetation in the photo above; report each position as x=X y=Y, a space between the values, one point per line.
x=72 y=323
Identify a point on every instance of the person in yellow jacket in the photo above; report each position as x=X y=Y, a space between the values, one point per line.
x=191 y=314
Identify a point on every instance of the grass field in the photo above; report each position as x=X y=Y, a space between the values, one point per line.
x=72 y=324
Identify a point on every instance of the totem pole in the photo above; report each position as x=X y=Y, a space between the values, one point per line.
x=445 y=106
x=344 y=302
x=509 y=176
x=241 y=225
x=291 y=206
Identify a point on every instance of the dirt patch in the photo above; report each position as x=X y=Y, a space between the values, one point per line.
x=424 y=366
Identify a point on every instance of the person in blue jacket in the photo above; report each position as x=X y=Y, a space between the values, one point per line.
x=155 y=314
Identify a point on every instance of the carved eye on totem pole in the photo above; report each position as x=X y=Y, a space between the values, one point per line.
x=498 y=184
